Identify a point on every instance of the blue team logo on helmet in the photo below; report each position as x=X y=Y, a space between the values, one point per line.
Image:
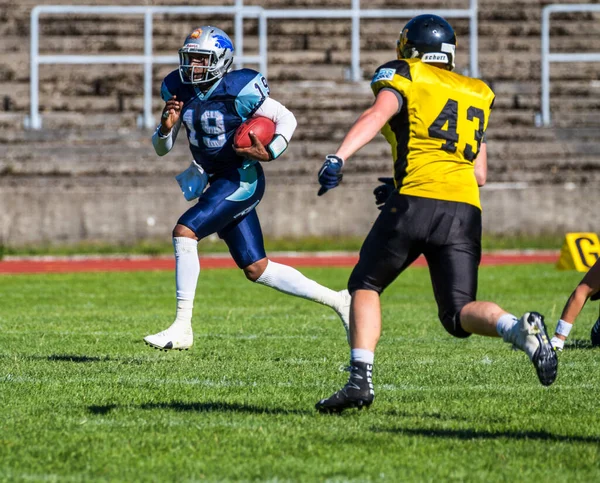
x=223 y=42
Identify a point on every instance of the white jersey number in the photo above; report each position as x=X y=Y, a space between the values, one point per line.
x=212 y=123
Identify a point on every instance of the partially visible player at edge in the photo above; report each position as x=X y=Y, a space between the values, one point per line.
x=212 y=101
x=588 y=288
x=434 y=121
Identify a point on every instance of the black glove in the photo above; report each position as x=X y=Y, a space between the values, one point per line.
x=383 y=191
x=330 y=173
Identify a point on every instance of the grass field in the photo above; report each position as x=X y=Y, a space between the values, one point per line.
x=83 y=399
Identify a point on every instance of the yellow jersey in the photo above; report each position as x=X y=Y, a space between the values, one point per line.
x=437 y=134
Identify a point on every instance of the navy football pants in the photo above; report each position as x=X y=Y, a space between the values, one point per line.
x=227 y=208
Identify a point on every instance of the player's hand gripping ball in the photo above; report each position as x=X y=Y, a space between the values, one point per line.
x=262 y=127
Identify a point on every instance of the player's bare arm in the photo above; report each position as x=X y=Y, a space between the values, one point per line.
x=365 y=128
x=481 y=165
x=369 y=124
x=588 y=287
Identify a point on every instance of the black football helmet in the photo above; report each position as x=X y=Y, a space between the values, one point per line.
x=429 y=38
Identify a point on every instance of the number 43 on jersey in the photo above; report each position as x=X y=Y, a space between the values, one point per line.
x=445 y=127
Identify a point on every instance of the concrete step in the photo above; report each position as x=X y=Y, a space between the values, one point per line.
x=130 y=152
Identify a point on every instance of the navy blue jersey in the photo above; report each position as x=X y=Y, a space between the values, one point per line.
x=212 y=118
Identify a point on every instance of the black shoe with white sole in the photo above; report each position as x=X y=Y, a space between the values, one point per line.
x=357 y=393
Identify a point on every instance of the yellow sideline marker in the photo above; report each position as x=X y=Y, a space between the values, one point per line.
x=579 y=252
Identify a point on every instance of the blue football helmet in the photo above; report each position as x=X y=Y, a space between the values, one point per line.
x=429 y=38
x=211 y=42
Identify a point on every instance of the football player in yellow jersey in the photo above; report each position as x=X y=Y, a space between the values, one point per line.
x=435 y=122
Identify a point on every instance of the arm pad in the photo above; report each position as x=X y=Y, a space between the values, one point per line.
x=285 y=121
x=164 y=144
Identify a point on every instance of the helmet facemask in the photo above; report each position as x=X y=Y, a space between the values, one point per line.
x=194 y=72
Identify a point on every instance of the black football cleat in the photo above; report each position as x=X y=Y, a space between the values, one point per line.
x=595 y=335
x=533 y=340
x=357 y=393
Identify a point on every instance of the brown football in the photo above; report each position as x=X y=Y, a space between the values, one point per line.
x=261 y=126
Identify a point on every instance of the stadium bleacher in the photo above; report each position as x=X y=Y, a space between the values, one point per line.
x=91 y=171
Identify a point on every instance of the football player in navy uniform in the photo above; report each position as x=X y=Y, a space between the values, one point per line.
x=434 y=120
x=588 y=288
x=211 y=101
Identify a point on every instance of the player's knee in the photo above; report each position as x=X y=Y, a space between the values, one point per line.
x=183 y=231
x=255 y=270
x=252 y=274
x=359 y=281
x=451 y=322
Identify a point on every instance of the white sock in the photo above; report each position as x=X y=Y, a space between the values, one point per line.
x=505 y=325
x=187 y=270
x=362 y=355
x=290 y=281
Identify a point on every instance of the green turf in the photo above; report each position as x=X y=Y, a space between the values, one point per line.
x=83 y=399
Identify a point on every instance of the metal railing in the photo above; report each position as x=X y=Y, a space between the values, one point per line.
x=34 y=120
x=548 y=57
x=239 y=11
x=356 y=13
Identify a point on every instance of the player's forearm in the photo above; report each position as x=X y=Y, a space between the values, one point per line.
x=364 y=129
x=572 y=309
x=481 y=165
x=387 y=104
x=575 y=303
x=163 y=144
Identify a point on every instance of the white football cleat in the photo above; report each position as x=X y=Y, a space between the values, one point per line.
x=343 y=310
x=532 y=338
x=177 y=337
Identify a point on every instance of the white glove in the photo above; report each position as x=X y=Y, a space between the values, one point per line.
x=557 y=343
x=192 y=181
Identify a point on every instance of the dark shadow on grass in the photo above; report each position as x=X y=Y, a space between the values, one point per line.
x=436 y=416
x=205 y=407
x=102 y=409
x=78 y=358
x=57 y=358
x=579 y=344
x=222 y=407
x=74 y=358
x=470 y=434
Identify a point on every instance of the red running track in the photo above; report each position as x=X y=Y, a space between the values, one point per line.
x=65 y=265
